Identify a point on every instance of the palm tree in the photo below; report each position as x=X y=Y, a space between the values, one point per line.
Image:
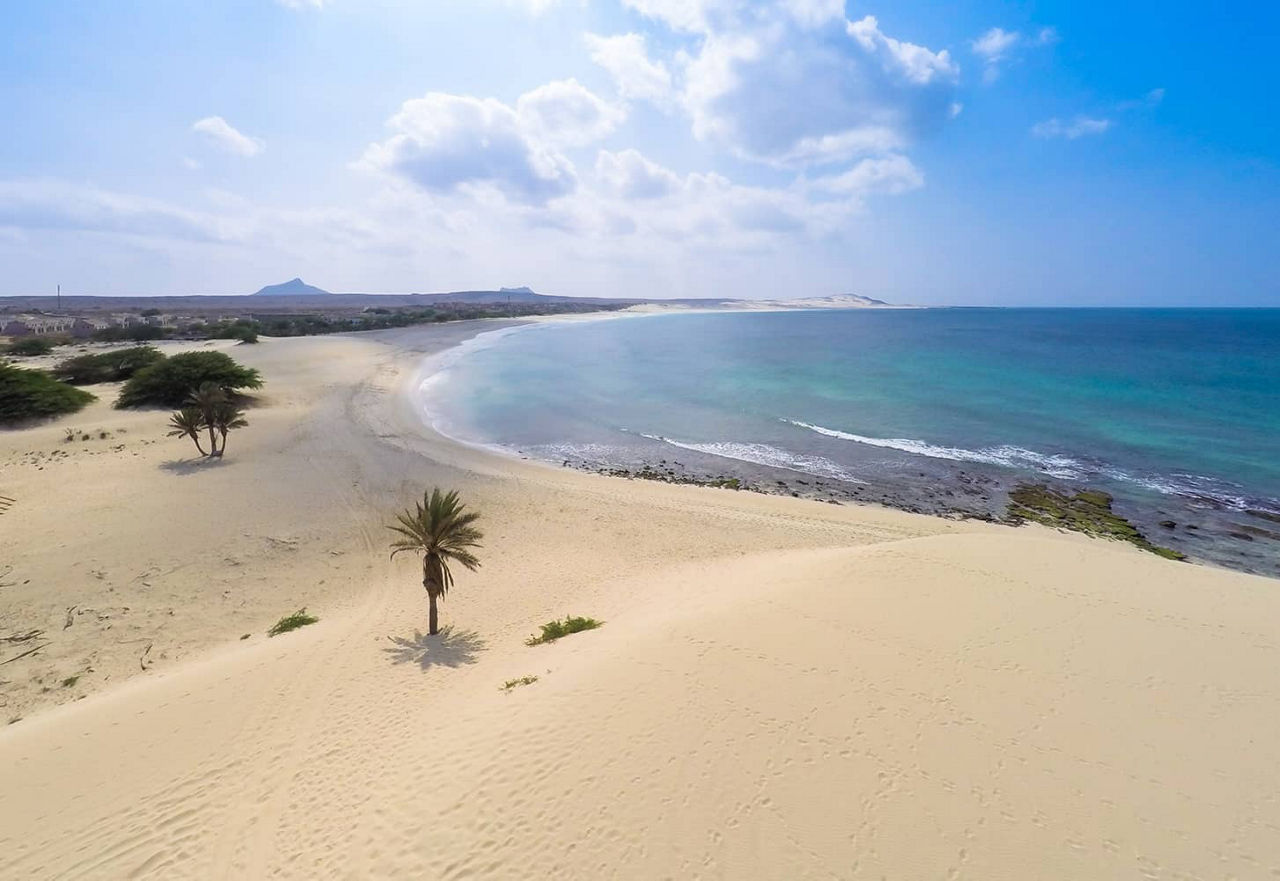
x=206 y=400
x=227 y=416
x=439 y=528
x=187 y=422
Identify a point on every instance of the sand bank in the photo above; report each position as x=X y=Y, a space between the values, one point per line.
x=782 y=689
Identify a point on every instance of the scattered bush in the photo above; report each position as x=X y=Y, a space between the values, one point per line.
x=30 y=346
x=169 y=382
x=298 y=619
x=70 y=681
x=139 y=334
x=553 y=630
x=514 y=683
x=30 y=394
x=106 y=367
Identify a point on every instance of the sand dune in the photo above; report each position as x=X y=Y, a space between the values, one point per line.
x=783 y=689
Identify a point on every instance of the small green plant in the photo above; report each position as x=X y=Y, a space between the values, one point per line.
x=70 y=681
x=553 y=630
x=298 y=619
x=516 y=683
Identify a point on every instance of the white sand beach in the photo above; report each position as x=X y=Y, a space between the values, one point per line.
x=782 y=688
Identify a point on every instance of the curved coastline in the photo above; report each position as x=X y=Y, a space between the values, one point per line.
x=834 y=668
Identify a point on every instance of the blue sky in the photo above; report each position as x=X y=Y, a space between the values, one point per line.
x=973 y=152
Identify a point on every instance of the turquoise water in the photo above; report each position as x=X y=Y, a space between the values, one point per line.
x=1162 y=407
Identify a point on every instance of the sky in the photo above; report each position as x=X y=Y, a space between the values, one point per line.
x=973 y=152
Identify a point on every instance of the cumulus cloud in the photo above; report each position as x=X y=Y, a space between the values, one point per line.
x=565 y=113
x=442 y=143
x=630 y=175
x=773 y=90
x=1077 y=127
x=220 y=133
x=627 y=60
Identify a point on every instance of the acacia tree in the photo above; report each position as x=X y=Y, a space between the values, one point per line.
x=440 y=529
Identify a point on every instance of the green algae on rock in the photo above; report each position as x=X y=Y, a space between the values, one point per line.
x=1088 y=511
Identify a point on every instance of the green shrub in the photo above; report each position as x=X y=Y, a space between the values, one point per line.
x=298 y=619
x=30 y=394
x=168 y=382
x=514 y=683
x=140 y=333
x=553 y=630
x=32 y=345
x=106 y=367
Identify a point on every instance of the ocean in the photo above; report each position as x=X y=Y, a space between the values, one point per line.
x=1175 y=412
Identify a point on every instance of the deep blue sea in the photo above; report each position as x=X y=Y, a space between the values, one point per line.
x=1176 y=412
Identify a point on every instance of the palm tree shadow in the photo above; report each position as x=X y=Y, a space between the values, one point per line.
x=448 y=648
x=190 y=466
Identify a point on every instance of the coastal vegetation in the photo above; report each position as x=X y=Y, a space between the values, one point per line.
x=511 y=684
x=171 y=381
x=210 y=409
x=298 y=619
x=116 y=366
x=31 y=394
x=553 y=630
x=30 y=346
x=1087 y=511
x=442 y=531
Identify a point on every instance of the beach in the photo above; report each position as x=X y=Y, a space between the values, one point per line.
x=782 y=688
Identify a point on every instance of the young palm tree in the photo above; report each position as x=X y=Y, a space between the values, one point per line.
x=206 y=400
x=227 y=416
x=440 y=529
x=187 y=422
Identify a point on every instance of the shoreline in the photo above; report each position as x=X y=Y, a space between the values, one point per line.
x=930 y=486
x=841 y=671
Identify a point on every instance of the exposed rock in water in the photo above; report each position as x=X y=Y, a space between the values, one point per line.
x=1088 y=511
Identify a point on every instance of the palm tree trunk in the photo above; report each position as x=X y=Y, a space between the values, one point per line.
x=196 y=438
x=433 y=621
x=213 y=442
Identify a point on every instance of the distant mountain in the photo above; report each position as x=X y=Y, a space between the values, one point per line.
x=295 y=287
x=523 y=289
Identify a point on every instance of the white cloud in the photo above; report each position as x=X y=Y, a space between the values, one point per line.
x=565 y=113
x=58 y=205
x=442 y=143
x=891 y=175
x=630 y=175
x=302 y=4
x=814 y=13
x=774 y=91
x=191 y=164
x=1072 y=129
x=221 y=134
x=626 y=59
x=682 y=15
x=997 y=45
x=918 y=64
